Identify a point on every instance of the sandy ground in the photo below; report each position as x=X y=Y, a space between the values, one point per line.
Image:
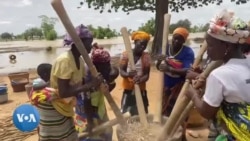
x=16 y=99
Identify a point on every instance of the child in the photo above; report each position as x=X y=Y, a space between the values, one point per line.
x=90 y=109
x=40 y=93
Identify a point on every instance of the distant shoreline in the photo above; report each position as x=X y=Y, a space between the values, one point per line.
x=19 y=46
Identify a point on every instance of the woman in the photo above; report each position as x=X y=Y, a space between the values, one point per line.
x=178 y=60
x=95 y=103
x=67 y=76
x=140 y=76
x=227 y=88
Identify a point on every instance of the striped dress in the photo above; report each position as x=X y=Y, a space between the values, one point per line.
x=53 y=125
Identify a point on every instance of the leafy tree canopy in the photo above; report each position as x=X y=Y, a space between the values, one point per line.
x=48 y=27
x=6 y=36
x=149 y=5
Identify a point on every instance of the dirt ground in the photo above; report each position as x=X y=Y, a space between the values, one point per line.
x=16 y=99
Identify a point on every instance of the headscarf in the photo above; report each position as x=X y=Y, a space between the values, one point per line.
x=38 y=82
x=229 y=28
x=82 y=31
x=99 y=55
x=182 y=31
x=140 y=35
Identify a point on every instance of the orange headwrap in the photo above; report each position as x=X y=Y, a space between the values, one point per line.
x=140 y=35
x=181 y=31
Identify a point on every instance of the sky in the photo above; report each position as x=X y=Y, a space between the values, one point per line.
x=18 y=15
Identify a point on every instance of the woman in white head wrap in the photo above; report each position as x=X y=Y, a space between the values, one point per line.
x=227 y=94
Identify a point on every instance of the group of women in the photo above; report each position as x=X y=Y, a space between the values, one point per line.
x=70 y=101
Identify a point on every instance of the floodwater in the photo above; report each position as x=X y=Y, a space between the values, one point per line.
x=30 y=59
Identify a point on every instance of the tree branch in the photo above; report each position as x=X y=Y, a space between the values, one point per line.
x=150 y=5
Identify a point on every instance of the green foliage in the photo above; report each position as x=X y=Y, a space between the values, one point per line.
x=32 y=32
x=149 y=5
x=148 y=27
x=51 y=35
x=48 y=27
x=6 y=36
x=101 y=32
x=181 y=23
x=199 y=28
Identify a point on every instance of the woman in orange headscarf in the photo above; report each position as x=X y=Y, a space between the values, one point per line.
x=140 y=76
x=178 y=60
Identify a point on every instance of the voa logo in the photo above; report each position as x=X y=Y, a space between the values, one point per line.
x=26 y=118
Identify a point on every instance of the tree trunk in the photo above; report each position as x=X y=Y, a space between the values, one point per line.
x=161 y=9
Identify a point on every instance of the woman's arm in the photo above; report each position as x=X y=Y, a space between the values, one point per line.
x=145 y=76
x=181 y=72
x=212 y=98
x=65 y=90
x=123 y=70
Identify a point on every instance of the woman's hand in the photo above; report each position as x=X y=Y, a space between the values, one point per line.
x=137 y=79
x=192 y=75
x=96 y=81
x=191 y=92
x=132 y=73
x=161 y=57
x=164 y=67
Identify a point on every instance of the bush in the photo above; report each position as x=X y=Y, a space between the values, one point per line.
x=51 y=35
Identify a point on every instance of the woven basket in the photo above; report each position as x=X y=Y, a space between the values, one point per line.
x=18 y=81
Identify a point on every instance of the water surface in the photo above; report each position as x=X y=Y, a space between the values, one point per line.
x=30 y=59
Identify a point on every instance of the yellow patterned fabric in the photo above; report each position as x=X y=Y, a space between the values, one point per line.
x=237 y=119
x=43 y=96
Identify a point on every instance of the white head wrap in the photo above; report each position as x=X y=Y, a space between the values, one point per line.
x=226 y=27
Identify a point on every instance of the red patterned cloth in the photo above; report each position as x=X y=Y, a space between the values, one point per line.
x=99 y=55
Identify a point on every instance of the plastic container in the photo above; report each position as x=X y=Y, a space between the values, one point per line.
x=3 y=94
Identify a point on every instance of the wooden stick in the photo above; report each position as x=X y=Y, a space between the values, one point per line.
x=138 y=96
x=158 y=117
x=104 y=126
x=182 y=118
x=199 y=57
x=184 y=101
x=62 y=14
